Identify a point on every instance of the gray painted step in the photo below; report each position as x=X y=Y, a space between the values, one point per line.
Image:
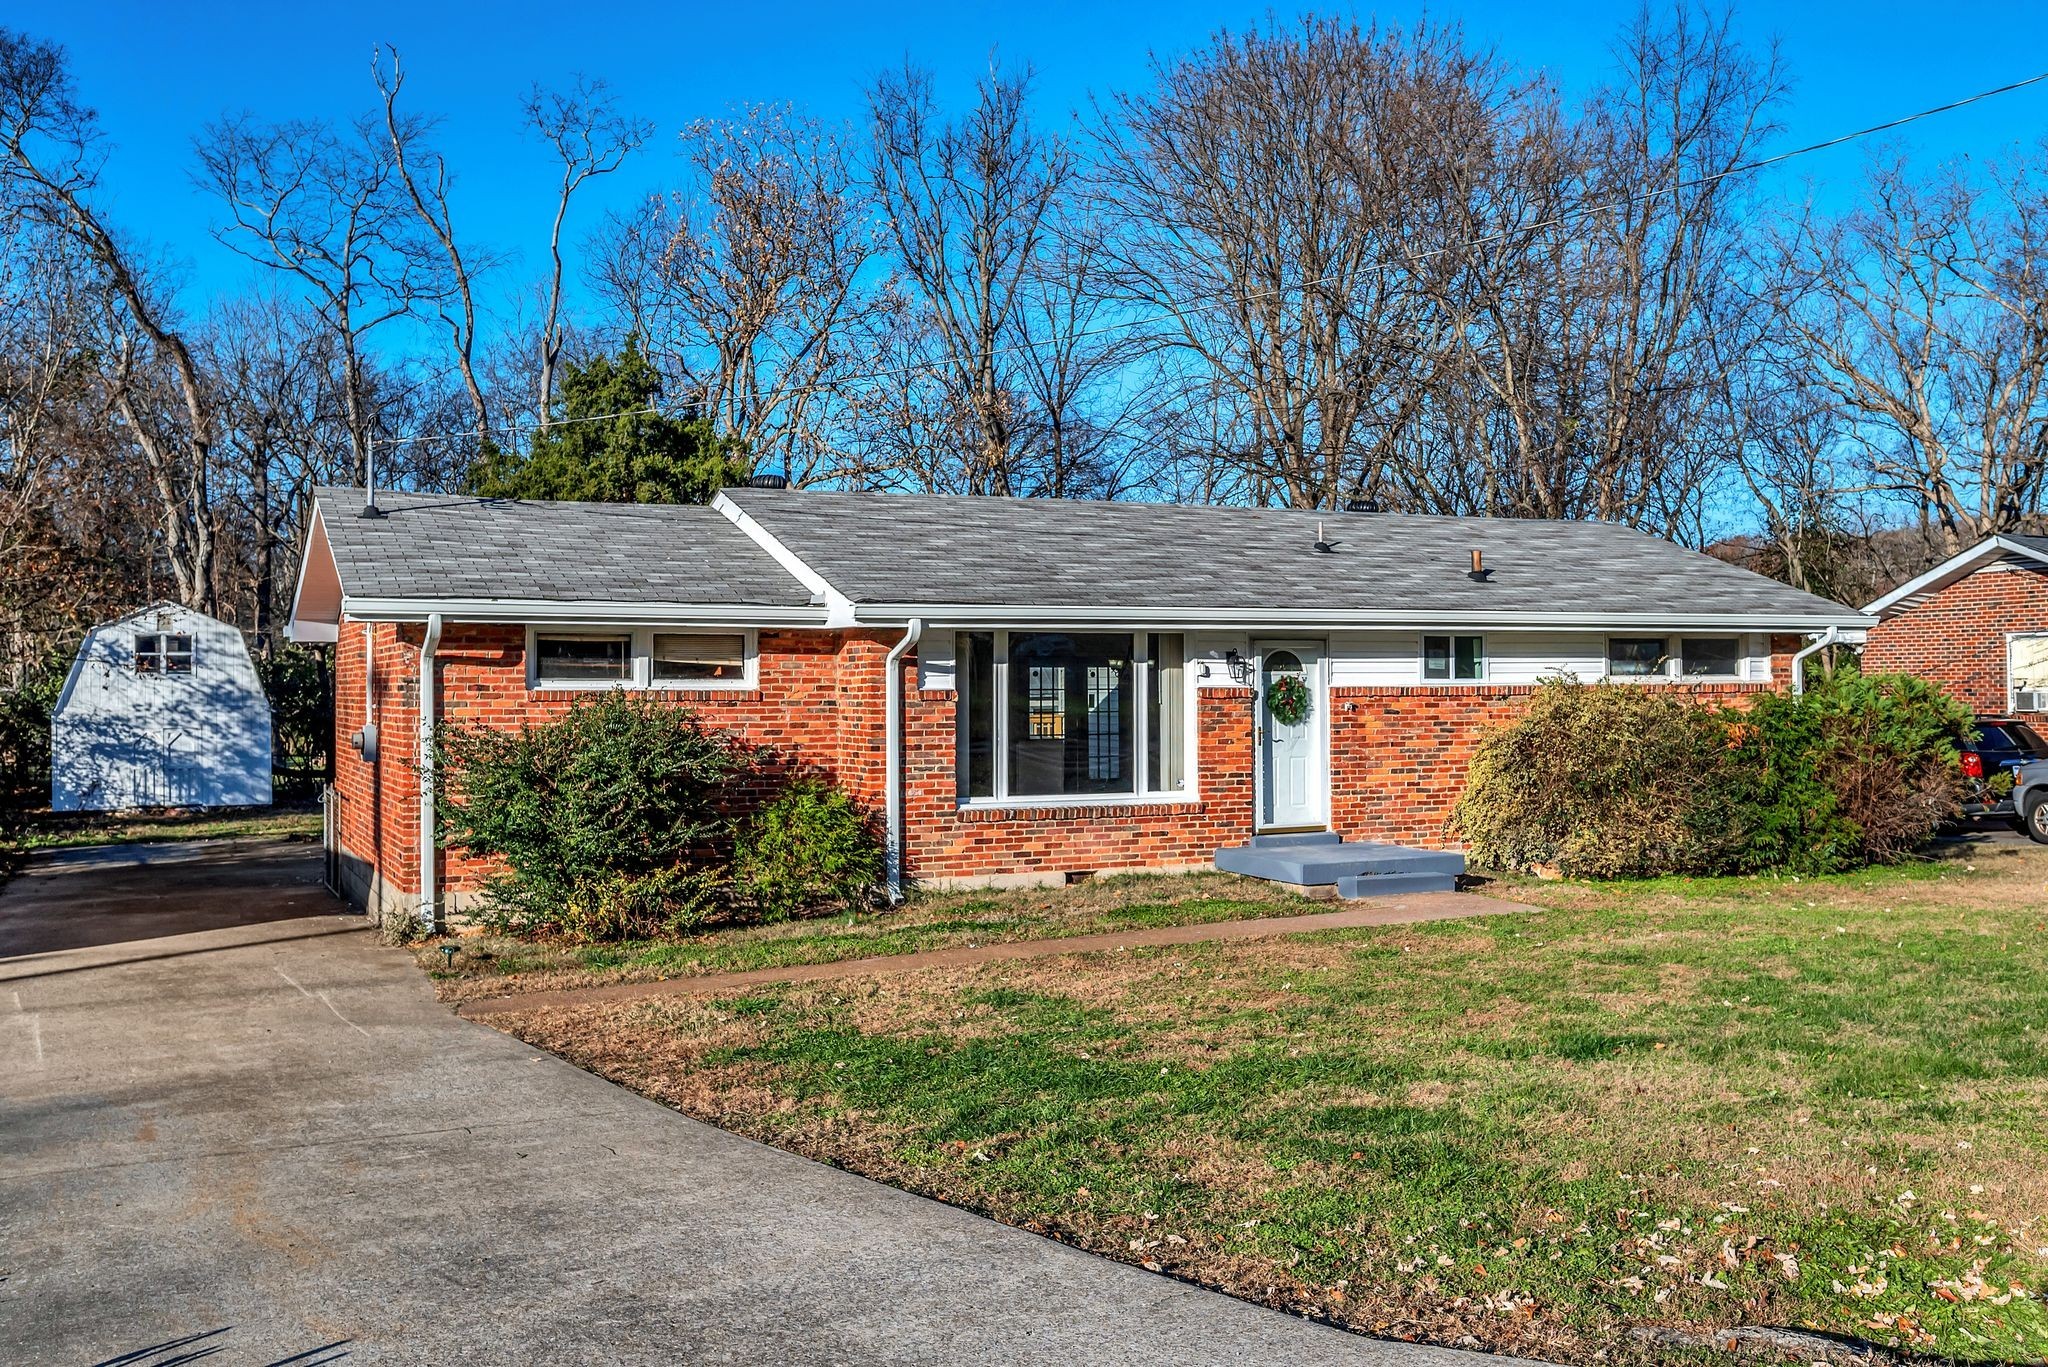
x=1324 y=862
x=1387 y=884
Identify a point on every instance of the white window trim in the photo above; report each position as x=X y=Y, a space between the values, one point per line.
x=2012 y=692
x=1004 y=800
x=1741 y=674
x=1664 y=675
x=750 y=661
x=639 y=660
x=1422 y=660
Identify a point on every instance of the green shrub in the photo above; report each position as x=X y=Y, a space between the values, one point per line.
x=812 y=850
x=607 y=820
x=1615 y=780
x=1601 y=781
x=1859 y=769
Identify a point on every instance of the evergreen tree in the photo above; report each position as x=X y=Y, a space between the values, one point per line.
x=641 y=457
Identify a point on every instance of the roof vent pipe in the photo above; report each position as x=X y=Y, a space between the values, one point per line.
x=370 y=508
x=1479 y=571
x=1323 y=545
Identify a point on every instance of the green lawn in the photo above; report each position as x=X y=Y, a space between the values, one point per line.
x=1685 y=1102
x=490 y=965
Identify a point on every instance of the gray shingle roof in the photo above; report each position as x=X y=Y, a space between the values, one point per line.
x=899 y=548
x=450 y=546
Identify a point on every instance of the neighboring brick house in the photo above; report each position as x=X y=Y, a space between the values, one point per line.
x=1977 y=624
x=1078 y=687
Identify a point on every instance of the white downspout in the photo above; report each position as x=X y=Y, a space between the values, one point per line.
x=1822 y=642
x=430 y=917
x=892 y=741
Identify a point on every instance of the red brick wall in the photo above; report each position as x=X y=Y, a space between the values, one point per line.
x=1957 y=637
x=1398 y=755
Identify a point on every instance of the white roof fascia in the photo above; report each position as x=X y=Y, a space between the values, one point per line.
x=1951 y=569
x=546 y=611
x=1018 y=615
x=312 y=630
x=839 y=608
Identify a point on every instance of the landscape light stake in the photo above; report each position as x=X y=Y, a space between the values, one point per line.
x=448 y=956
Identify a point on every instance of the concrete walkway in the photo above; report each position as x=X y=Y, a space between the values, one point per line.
x=234 y=1128
x=1379 y=911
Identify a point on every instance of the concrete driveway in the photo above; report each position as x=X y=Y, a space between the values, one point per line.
x=234 y=1128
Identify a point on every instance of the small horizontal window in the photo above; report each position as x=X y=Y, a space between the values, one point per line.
x=1711 y=656
x=1637 y=656
x=700 y=657
x=161 y=653
x=1454 y=657
x=583 y=659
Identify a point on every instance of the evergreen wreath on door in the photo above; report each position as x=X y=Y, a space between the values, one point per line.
x=1287 y=698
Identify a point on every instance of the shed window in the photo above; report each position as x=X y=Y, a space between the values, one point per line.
x=583 y=659
x=700 y=657
x=1636 y=656
x=1454 y=657
x=1071 y=714
x=1710 y=656
x=162 y=653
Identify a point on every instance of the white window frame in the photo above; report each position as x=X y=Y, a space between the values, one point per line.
x=750 y=660
x=1663 y=675
x=1140 y=738
x=640 y=659
x=1422 y=659
x=1741 y=671
x=163 y=653
x=2012 y=692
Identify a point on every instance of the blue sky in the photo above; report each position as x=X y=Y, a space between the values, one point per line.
x=157 y=72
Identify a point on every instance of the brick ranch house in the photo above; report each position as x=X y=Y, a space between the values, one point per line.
x=1031 y=690
x=1977 y=624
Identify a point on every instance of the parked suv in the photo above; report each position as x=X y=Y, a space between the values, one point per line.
x=2002 y=746
x=2030 y=796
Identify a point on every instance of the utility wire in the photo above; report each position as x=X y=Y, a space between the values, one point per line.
x=1124 y=324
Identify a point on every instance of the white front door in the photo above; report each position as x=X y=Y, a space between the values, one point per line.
x=1291 y=781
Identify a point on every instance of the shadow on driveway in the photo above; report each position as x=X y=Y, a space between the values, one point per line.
x=147 y=892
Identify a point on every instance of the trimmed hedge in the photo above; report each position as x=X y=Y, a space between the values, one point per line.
x=1616 y=781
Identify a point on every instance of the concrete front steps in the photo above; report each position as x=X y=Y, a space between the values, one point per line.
x=1325 y=864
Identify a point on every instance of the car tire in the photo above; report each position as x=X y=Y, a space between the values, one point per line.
x=2035 y=822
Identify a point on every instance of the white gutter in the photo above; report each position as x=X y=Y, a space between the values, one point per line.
x=430 y=917
x=617 y=613
x=968 y=615
x=892 y=740
x=1822 y=642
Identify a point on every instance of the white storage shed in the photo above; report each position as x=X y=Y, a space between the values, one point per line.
x=163 y=708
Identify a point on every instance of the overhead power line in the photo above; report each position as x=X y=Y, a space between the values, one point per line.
x=1489 y=239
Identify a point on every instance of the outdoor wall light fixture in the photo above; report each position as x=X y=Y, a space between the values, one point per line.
x=1240 y=668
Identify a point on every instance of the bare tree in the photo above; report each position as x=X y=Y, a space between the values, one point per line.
x=970 y=206
x=1924 y=315
x=762 y=273
x=592 y=137
x=424 y=176
x=324 y=208
x=53 y=156
x=1274 y=196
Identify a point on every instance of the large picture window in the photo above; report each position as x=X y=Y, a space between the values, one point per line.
x=1063 y=714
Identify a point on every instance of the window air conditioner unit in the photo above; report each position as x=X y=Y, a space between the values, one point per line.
x=2030 y=700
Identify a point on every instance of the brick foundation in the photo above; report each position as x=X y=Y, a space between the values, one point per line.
x=1956 y=638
